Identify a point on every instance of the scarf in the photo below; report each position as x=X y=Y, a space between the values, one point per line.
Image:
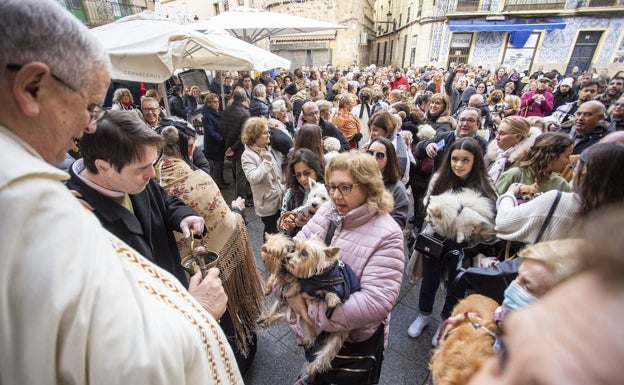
x=498 y=167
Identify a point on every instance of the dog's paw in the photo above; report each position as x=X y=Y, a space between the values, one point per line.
x=332 y=299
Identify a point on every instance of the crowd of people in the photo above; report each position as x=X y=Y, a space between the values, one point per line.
x=99 y=257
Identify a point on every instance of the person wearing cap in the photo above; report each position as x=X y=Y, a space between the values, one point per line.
x=538 y=102
x=564 y=93
x=399 y=80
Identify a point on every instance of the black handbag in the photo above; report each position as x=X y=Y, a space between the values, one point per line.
x=356 y=363
x=488 y=281
x=492 y=281
x=430 y=245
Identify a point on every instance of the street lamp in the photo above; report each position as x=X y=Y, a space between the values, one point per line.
x=390 y=21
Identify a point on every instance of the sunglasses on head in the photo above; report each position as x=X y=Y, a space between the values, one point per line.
x=377 y=155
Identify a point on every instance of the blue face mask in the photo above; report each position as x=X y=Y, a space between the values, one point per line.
x=516 y=297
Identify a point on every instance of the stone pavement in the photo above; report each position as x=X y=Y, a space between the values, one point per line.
x=279 y=360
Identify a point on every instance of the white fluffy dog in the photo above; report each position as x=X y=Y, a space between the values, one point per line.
x=463 y=216
x=316 y=197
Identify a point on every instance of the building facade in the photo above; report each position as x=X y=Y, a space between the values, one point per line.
x=99 y=12
x=520 y=34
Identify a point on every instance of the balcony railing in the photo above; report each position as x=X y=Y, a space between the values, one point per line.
x=99 y=12
x=526 y=5
x=601 y=3
x=467 y=5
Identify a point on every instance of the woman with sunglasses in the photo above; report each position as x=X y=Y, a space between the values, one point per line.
x=385 y=124
x=371 y=243
x=304 y=165
x=383 y=150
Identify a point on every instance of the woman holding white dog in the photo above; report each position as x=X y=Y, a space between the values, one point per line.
x=371 y=243
x=462 y=168
x=304 y=165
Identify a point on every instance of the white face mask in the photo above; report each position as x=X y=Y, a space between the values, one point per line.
x=516 y=297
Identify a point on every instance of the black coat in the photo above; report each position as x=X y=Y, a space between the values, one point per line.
x=232 y=120
x=176 y=105
x=214 y=144
x=259 y=107
x=150 y=230
x=329 y=129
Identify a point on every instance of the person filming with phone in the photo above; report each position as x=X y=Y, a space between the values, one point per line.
x=467 y=125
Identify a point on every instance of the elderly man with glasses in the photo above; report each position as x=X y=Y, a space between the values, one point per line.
x=312 y=115
x=468 y=124
x=78 y=305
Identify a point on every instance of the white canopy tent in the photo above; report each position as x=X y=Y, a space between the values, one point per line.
x=148 y=48
x=252 y=25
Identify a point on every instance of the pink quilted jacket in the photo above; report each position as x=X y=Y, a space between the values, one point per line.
x=372 y=245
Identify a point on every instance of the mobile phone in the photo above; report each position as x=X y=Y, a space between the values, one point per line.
x=440 y=145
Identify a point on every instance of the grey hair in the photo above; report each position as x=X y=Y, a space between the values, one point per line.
x=259 y=90
x=277 y=105
x=42 y=30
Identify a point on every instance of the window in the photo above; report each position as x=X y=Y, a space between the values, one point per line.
x=217 y=10
x=459 y=48
x=520 y=58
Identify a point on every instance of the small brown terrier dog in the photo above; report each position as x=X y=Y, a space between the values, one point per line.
x=309 y=258
x=466 y=342
x=274 y=252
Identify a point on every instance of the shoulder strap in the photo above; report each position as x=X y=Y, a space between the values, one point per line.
x=330 y=233
x=548 y=217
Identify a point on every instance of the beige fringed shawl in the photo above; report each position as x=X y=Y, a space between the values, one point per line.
x=227 y=236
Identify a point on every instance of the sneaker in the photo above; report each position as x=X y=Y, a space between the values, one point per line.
x=417 y=326
x=434 y=339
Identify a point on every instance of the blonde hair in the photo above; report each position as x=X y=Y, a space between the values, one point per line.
x=253 y=128
x=513 y=101
x=365 y=172
x=561 y=257
x=518 y=125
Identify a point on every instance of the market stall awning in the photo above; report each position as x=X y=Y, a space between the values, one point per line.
x=505 y=25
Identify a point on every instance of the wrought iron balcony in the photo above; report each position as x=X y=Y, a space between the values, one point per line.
x=99 y=12
x=526 y=5
x=467 y=5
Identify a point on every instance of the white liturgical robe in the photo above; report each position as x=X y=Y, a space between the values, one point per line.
x=78 y=306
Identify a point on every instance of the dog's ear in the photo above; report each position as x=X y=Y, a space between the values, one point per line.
x=312 y=183
x=264 y=249
x=332 y=252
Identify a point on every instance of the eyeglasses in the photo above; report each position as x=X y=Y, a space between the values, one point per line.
x=377 y=155
x=464 y=120
x=306 y=174
x=618 y=104
x=313 y=113
x=96 y=111
x=150 y=109
x=213 y=101
x=501 y=133
x=345 y=189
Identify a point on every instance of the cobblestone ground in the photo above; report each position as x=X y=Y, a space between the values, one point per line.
x=279 y=359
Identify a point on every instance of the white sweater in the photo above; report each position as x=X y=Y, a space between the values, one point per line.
x=523 y=222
